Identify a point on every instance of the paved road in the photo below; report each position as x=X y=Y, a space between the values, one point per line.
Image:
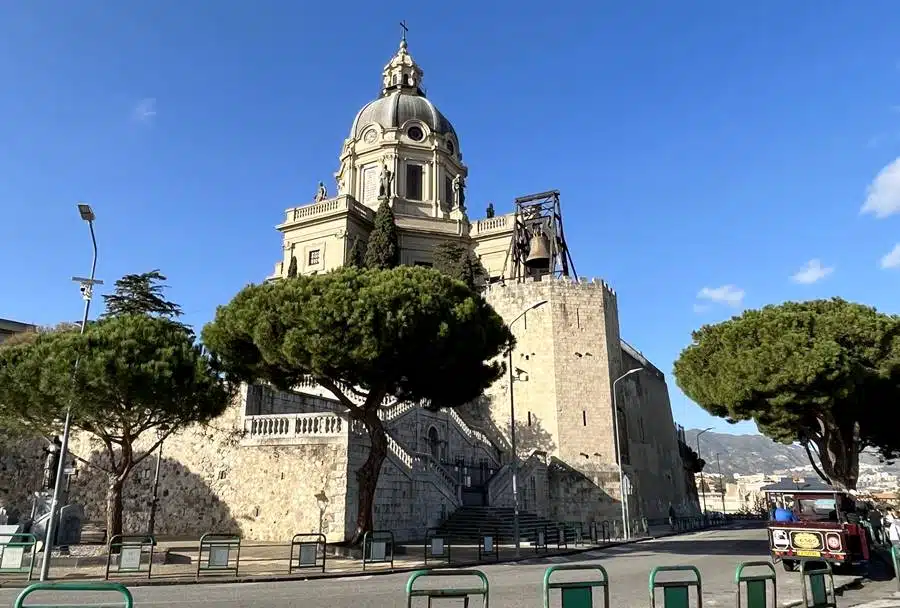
x=714 y=552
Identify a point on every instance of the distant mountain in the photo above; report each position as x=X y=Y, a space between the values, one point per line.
x=750 y=454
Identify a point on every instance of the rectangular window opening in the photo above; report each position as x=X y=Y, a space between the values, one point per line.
x=529 y=418
x=313 y=258
x=414 y=182
x=584 y=417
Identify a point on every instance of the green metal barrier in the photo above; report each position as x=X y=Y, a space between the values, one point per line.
x=67 y=588
x=214 y=554
x=895 y=558
x=130 y=551
x=378 y=548
x=437 y=548
x=756 y=585
x=818 y=586
x=14 y=552
x=308 y=551
x=676 y=594
x=577 y=594
x=458 y=593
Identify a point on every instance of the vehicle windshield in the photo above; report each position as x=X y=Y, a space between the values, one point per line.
x=816 y=509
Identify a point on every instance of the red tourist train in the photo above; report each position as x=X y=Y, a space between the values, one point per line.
x=827 y=528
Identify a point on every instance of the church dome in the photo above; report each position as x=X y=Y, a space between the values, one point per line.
x=402 y=99
x=394 y=110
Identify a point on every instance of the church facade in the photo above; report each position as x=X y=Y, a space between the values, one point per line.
x=277 y=464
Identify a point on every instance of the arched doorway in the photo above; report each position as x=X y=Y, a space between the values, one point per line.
x=434 y=443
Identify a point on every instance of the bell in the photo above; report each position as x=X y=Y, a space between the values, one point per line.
x=538 y=253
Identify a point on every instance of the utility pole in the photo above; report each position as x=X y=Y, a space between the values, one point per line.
x=702 y=491
x=87 y=290
x=722 y=481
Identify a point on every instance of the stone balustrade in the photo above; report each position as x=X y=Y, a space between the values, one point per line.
x=294 y=425
x=493 y=224
x=338 y=204
x=475 y=435
x=351 y=393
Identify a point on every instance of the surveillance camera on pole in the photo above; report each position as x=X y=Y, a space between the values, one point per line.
x=87 y=287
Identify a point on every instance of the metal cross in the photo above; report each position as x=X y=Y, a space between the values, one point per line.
x=405 y=29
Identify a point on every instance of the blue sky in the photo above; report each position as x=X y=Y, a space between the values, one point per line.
x=702 y=148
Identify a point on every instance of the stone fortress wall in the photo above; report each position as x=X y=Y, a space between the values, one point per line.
x=568 y=353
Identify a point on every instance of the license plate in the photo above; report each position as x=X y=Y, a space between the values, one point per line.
x=808 y=554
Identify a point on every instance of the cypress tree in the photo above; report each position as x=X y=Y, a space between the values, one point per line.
x=457 y=261
x=292 y=267
x=356 y=257
x=384 y=250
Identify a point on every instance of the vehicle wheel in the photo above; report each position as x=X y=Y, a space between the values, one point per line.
x=789 y=565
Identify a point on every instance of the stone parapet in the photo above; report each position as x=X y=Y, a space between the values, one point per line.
x=567 y=283
x=322 y=209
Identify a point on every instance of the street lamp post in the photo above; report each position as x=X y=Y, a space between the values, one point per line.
x=512 y=431
x=154 y=504
x=721 y=481
x=87 y=289
x=702 y=491
x=624 y=499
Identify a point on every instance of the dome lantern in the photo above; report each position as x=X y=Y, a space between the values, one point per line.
x=402 y=73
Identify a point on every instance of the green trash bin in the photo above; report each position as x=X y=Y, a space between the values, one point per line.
x=756 y=585
x=576 y=594
x=75 y=588
x=818 y=585
x=676 y=593
x=457 y=593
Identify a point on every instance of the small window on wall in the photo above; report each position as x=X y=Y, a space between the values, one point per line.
x=414 y=182
x=314 y=257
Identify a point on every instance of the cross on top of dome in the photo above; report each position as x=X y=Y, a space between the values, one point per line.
x=402 y=72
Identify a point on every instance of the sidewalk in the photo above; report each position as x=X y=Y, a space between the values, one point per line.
x=263 y=562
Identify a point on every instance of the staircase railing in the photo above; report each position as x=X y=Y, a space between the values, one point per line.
x=501 y=482
x=422 y=466
x=476 y=436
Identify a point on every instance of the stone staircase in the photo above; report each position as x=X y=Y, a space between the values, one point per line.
x=468 y=523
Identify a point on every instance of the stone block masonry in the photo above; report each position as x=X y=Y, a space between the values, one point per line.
x=568 y=354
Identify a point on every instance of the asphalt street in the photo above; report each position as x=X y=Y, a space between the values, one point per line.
x=715 y=552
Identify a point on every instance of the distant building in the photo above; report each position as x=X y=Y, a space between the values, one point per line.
x=9 y=328
x=743 y=495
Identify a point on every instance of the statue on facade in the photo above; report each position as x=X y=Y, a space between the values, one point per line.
x=387 y=178
x=459 y=193
x=321 y=193
x=489 y=213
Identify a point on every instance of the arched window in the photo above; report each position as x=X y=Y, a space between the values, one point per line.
x=623 y=436
x=434 y=443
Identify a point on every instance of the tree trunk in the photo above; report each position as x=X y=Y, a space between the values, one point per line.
x=114 y=509
x=367 y=475
x=839 y=453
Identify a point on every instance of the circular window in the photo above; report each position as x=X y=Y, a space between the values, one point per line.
x=415 y=134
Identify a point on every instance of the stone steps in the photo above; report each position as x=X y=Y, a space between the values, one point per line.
x=469 y=524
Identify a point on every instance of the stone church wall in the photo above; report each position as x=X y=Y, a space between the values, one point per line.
x=579 y=496
x=21 y=467
x=213 y=480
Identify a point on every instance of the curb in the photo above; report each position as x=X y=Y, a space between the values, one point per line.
x=282 y=578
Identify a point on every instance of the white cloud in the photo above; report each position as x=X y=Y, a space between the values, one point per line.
x=883 y=194
x=813 y=271
x=726 y=294
x=144 y=110
x=892 y=259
